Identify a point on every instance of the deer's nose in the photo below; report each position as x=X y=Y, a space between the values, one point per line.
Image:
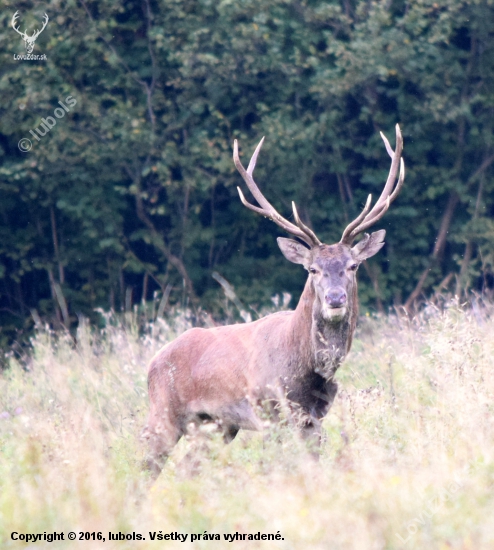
x=336 y=297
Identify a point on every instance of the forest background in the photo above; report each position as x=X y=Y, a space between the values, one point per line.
x=132 y=196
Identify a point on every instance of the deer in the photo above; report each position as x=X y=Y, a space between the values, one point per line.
x=227 y=374
x=29 y=40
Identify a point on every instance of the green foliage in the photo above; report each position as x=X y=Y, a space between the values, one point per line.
x=134 y=189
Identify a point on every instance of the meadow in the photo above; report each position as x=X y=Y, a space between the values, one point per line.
x=407 y=461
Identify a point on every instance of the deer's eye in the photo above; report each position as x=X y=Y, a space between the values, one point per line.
x=312 y=270
x=353 y=267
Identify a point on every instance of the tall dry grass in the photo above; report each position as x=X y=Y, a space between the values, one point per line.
x=407 y=461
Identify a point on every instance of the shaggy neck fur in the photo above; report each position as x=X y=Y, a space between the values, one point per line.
x=323 y=344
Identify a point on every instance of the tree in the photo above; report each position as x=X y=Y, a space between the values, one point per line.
x=135 y=190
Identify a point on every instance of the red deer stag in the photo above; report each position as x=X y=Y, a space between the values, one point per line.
x=224 y=374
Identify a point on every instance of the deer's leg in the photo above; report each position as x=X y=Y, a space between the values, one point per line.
x=311 y=424
x=162 y=436
x=311 y=433
x=230 y=433
x=198 y=433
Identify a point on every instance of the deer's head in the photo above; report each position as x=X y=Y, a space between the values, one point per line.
x=332 y=268
x=29 y=40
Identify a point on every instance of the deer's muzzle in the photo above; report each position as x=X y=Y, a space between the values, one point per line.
x=336 y=298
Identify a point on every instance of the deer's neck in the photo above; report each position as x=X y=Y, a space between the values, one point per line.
x=323 y=344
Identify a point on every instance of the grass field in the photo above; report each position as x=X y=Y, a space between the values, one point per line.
x=408 y=460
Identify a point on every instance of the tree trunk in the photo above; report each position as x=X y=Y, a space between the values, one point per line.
x=159 y=242
x=467 y=255
x=61 y=273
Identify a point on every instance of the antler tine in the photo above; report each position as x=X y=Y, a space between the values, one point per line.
x=45 y=22
x=351 y=226
x=395 y=163
x=401 y=180
x=247 y=175
x=385 y=206
x=369 y=223
x=304 y=227
x=253 y=159
x=266 y=209
x=249 y=205
x=366 y=220
x=13 y=22
x=389 y=149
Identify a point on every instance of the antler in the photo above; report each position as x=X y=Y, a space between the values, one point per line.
x=14 y=19
x=300 y=230
x=37 y=33
x=366 y=219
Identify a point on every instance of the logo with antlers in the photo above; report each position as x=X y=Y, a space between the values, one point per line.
x=29 y=40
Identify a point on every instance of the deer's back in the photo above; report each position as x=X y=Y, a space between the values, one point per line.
x=211 y=364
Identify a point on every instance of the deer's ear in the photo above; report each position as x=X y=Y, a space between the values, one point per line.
x=369 y=245
x=294 y=251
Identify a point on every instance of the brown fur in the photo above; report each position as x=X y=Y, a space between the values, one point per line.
x=226 y=374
